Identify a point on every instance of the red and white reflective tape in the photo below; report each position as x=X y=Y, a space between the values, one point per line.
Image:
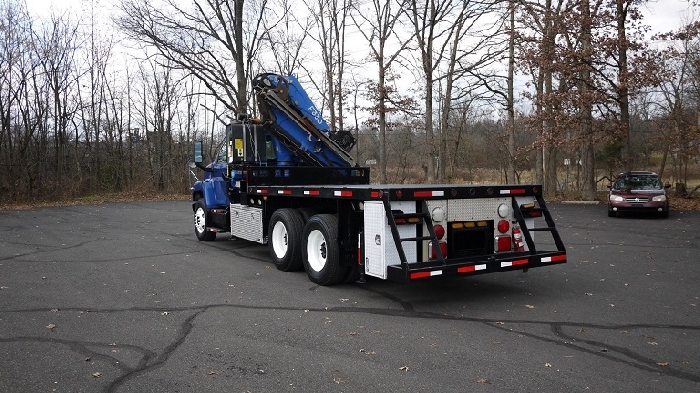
x=472 y=268
x=514 y=191
x=556 y=258
x=312 y=192
x=342 y=193
x=261 y=191
x=426 y=274
x=425 y=194
x=517 y=262
x=284 y=192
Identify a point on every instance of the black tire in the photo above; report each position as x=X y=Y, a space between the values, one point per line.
x=306 y=213
x=200 y=222
x=320 y=251
x=663 y=214
x=284 y=239
x=612 y=213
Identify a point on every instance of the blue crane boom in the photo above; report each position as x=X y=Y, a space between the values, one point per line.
x=301 y=135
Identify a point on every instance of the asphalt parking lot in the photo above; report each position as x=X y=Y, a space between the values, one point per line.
x=121 y=297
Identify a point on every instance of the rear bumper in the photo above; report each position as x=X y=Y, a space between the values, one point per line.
x=473 y=266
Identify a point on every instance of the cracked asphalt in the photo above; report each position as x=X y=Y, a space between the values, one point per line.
x=121 y=297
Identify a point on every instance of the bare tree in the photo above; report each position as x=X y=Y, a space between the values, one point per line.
x=203 y=40
x=680 y=130
x=55 y=44
x=331 y=17
x=284 y=35
x=377 y=24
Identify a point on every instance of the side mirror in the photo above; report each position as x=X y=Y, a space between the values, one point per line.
x=609 y=185
x=667 y=185
x=198 y=158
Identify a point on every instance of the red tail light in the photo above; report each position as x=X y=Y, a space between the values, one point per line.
x=439 y=231
x=504 y=243
x=443 y=248
x=503 y=226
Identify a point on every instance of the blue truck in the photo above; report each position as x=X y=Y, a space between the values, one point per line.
x=286 y=180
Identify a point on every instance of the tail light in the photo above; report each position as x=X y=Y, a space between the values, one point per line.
x=503 y=226
x=439 y=231
x=504 y=243
x=443 y=249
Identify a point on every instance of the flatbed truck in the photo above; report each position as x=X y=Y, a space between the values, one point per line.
x=287 y=181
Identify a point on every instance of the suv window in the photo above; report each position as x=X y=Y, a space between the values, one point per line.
x=638 y=182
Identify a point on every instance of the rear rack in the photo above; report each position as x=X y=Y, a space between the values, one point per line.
x=407 y=271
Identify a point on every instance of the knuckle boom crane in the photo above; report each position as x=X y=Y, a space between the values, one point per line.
x=288 y=181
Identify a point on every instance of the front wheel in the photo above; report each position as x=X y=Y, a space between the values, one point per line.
x=284 y=242
x=320 y=250
x=200 y=222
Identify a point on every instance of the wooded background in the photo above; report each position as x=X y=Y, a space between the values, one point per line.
x=109 y=97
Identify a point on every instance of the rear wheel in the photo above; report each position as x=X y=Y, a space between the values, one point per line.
x=200 y=222
x=306 y=213
x=320 y=251
x=284 y=242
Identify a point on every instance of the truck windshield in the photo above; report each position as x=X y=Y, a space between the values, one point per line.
x=221 y=155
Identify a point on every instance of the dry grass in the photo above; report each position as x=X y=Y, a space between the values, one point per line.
x=97 y=200
x=677 y=202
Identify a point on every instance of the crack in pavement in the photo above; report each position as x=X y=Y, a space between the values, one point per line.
x=151 y=360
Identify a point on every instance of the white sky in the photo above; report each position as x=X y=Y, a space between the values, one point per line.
x=666 y=15
x=661 y=15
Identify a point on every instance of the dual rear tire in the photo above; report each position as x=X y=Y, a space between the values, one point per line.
x=314 y=245
x=320 y=250
x=284 y=242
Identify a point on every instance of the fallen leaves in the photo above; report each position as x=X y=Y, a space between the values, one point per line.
x=51 y=326
x=403 y=368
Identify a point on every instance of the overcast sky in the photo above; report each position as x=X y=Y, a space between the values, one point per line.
x=661 y=15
